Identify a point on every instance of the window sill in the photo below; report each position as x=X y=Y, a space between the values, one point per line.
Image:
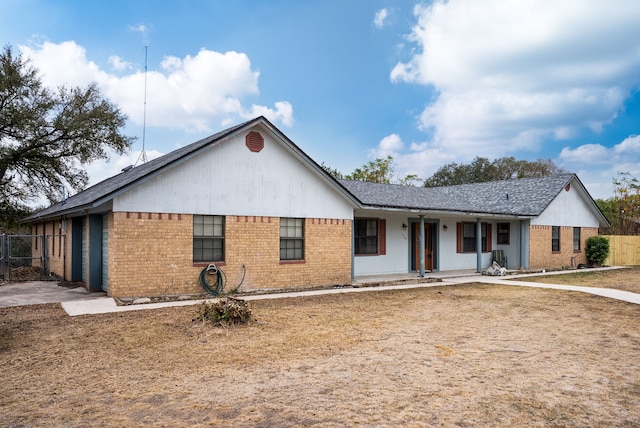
x=205 y=264
x=292 y=262
x=366 y=255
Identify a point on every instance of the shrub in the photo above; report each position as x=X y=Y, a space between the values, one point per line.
x=225 y=312
x=597 y=249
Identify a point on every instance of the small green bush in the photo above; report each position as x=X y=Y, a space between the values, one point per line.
x=224 y=312
x=597 y=249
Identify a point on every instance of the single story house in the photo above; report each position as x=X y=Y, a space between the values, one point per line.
x=252 y=202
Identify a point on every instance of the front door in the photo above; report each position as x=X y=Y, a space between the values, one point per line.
x=428 y=246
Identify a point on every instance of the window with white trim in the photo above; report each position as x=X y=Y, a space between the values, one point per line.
x=208 y=238
x=291 y=239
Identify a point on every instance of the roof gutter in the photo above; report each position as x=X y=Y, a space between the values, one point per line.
x=447 y=212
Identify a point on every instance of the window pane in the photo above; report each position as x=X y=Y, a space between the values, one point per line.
x=555 y=238
x=469 y=230
x=366 y=239
x=469 y=245
x=208 y=238
x=291 y=249
x=291 y=239
x=291 y=227
x=372 y=228
x=503 y=233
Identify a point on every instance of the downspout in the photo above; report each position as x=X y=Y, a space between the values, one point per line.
x=421 y=246
x=479 y=245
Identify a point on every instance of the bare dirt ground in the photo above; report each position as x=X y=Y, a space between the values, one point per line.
x=468 y=355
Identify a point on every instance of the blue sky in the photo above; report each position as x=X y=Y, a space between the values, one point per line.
x=351 y=80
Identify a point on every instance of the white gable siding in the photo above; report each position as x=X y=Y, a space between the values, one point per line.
x=229 y=179
x=569 y=208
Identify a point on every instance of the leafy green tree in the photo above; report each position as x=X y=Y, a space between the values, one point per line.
x=609 y=208
x=332 y=171
x=482 y=170
x=10 y=216
x=377 y=171
x=626 y=204
x=410 y=180
x=47 y=137
x=597 y=249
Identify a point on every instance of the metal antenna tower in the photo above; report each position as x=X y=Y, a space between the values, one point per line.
x=143 y=155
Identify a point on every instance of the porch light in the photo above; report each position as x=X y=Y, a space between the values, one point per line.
x=444 y=227
x=404 y=227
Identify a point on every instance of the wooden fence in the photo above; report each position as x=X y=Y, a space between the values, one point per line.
x=623 y=250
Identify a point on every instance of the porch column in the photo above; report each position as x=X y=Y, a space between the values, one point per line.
x=524 y=243
x=353 y=250
x=479 y=245
x=421 y=246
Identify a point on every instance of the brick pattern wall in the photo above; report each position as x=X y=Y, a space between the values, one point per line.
x=540 y=254
x=58 y=247
x=150 y=254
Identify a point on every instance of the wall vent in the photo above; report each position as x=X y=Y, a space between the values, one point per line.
x=255 y=141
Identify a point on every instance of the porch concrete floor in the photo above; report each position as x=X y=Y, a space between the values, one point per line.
x=413 y=276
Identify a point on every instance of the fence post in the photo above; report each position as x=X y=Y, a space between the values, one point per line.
x=2 y=255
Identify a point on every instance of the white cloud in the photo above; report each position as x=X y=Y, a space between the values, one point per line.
x=380 y=17
x=194 y=93
x=388 y=146
x=142 y=29
x=628 y=151
x=139 y=28
x=629 y=146
x=118 y=64
x=509 y=74
x=105 y=168
x=598 y=165
x=587 y=153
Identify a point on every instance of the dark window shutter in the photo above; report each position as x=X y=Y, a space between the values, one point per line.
x=458 y=237
x=382 y=237
x=489 y=238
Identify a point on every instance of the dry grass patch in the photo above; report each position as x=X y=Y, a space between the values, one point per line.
x=626 y=279
x=469 y=355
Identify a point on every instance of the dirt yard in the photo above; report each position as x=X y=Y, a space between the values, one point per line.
x=621 y=279
x=469 y=355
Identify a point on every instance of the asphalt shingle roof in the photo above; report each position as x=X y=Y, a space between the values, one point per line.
x=521 y=197
x=518 y=197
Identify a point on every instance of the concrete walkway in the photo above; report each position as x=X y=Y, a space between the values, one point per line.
x=37 y=292
x=625 y=296
x=78 y=301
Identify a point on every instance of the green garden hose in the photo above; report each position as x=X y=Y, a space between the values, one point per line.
x=217 y=287
x=220 y=282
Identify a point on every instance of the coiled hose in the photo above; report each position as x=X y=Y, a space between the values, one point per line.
x=221 y=279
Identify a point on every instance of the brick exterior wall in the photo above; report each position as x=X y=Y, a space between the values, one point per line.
x=540 y=254
x=150 y=254
x=58 y=247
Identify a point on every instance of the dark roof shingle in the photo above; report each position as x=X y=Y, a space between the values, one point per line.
x=521 y=197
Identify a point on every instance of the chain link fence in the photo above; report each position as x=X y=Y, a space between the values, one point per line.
x=23 y=258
